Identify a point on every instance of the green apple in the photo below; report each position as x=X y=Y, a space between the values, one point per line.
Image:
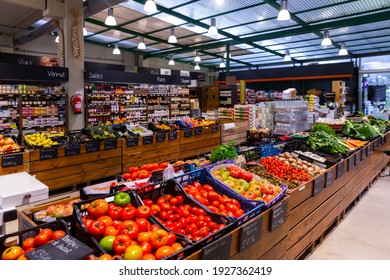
x=122 y=199
x=225 y=175
x=106 y=242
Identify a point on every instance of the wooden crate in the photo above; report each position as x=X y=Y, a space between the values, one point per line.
x=299 y=195
x=66 y=171
x=198 y=145
x=24 y=167
x=237 y=134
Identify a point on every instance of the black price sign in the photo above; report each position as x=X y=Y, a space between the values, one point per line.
x=250 y=234
x=48 y=153
x=110 y=144
x=160 y=137
x=340 y=169
x=369 y=150
x=172 y=135
x=319 y=184
x=188 y=133
x=329 y=177
x=72 y=151
x=65 y=248
x=357 y=159
x=12 y=160
x=351 y=162
x=218 y=250
x=198 y=130
x=364 y=153
x=146 y=140
x=132 y=142
x=93 y=146
x=278 y=217
x=214 y=128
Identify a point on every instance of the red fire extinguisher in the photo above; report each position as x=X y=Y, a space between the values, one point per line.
x=77 y=103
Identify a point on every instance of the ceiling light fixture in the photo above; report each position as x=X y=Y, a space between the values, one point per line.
x=343 y=49
x=150 y=6
x=57 y=39
x=197 y=57
x=213 y=27
x=197 y=67
x=116 y=50
x=225 y=55
x=110 y=20
x=171 y=61
x=222 y=64
x=283 y=13
x=326 y=41
x=287 y=56
x=172 y=39
x=141 y=45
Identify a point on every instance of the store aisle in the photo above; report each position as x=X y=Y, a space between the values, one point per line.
x=364 y=233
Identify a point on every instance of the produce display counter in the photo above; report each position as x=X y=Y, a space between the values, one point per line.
x=15 y=162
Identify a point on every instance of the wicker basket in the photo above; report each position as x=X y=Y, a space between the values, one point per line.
x=337 y=127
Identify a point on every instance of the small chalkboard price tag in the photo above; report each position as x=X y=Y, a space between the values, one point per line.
x=12 y=160
x=48 y=153
x=172 y=135
x=72 y=151
x=329 y=178
x=319 y=184
x=357 y=158
x=340 y=169
x=364 y=153
x=93 y=146
x=160 y=137
x=65 y=248
x=147 y=140
x=110 y=144
x=132 y=141
x=351 y=162
x=198 y=130
x=369 y=150
x=218 y=250
x=188 y=133
x=250 y=234
x=214 y=128
x=278 y=215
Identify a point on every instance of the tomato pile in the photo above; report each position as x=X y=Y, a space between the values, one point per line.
x=182 y=218
x=284 y=170
x=146 y=170
x=125 y=232
x=219 y=204
x=45 y=236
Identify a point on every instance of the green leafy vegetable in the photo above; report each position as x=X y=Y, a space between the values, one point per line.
x=323 y=127
x=224 y=152
x=324 y=142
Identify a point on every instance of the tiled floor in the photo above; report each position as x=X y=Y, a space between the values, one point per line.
x=364 y=233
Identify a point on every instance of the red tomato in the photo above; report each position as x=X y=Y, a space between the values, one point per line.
x=173 y=201
x=111 y=231
x=155 y=209
x=134 y=176
x=128 y=213
x=28 y=243
x=146 y=247
x=207 y=187
x=197 y=238
x=143 y=212
x=198 y=185
x=97 y=228
x=143 y=174
x=158 y=238
x=41 y=239
x=143 y=236
x=165 y=206
x=97 y=208
x=115 y=212
x=143 y=224
x=107 y=220
x=268 y=198
x=171 y=238
x=239 y=213
x=154 y=227
x=105 y=257
x=48 y=231
x=148 y=202
x=148 y=257
x=164 y=165
x=212 y=196
x=116 y=223
x=121 y=243
x=57 y=234
x=176 y=247
x=130 y=228
x=133 y=169
x=126 y=176
x=163 y=252
x=87 y=223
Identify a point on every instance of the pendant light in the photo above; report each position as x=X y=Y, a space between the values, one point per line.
x=222 y=64
x=150 y=6
x=116 y=50
x=141 y=45
x=197 y=66
x=172 y=39
x=57 y=39
x=110 y=20
x=343 y=49
x=171 y=61
x=197 y=57
x=283 y=13
x=287 y=56
x=213 y=27
x=326 y=41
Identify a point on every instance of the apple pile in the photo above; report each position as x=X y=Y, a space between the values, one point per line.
x=242 y=182
x=183 y=218
x=8 y=144
x=61 y=210
x=125 y=231
x=44 y=236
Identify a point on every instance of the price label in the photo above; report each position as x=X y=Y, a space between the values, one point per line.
x=250 y=234
x=93 y=146
x=110 y=144
x=351 y=162
x=198 y=130
x=340 y=169
x=218 y=250
x=329 y=177
x=214 y=128
x=172 y=135
x=364 y=153
x=278 y=215
x=132 y=142
x=72 y=151
x=48 y=153
x=369 y=150
x=357 y=158
x=147 y=140
x=160 y=137
x=12 y=160
x=319 y=184
x=188 y=133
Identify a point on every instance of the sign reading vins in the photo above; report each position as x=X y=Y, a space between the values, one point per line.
x=250 y=233
x=48 y=153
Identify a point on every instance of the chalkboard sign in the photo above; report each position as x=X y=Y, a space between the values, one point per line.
x=340 y=169
x=351 y=162
x=172 y=135
x=188 y=133
x=160 y=137
x=48 y=153
x=93 y=146
x=72 y=151
x=198 y=130
x=369 y=150
x=132 y=142
x=329 y=177
x=65 y=248
x=110 y=144
x=357 y=158
x=364 y=153
x=278 y=215
x=218 y=250
x=147 y=140
x=319 y=184
x=250 y=233
x=12 y=160
x=214 y=128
